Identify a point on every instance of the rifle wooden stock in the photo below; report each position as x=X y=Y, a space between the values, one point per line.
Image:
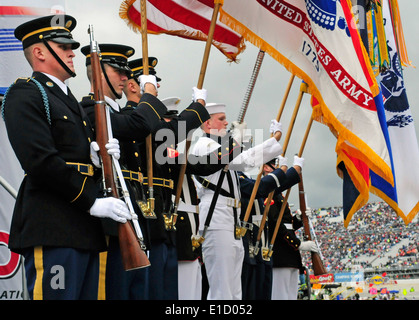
x=133 y=256
x=316 y=260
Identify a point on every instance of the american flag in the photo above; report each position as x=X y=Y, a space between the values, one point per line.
x=189 y=19
x=8 y=41
x=13 y=63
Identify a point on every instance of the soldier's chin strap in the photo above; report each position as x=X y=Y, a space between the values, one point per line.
x=118 y=96
x=66 y=68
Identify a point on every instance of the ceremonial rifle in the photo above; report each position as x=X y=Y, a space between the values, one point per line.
x=133 y=256
x=316 y=259
x=8 y=187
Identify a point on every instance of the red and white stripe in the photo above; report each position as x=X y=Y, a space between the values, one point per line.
x=189 y=19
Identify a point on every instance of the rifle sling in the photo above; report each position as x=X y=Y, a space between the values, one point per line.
x=209 y=185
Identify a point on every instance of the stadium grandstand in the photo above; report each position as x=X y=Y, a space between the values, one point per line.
x=377 y=248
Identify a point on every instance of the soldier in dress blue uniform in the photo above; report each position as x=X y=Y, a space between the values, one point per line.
x=55 y=221
x=132 y=89
x=128 y=128
x=163 y=254
x=187 y=222
x=257 y=273
x=131 y=125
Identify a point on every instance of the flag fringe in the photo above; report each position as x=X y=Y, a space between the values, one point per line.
x=359 y=183
x=344 y=136
x=406 y=218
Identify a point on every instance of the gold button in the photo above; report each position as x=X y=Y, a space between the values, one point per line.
x=136 y=154
x=89 y=139
x=85 y=124
x=65 y=117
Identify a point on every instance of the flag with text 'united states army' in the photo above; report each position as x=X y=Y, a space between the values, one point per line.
x=314 y=41
x=189 y=19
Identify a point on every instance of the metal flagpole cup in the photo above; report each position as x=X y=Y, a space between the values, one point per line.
x=251 y=251
x=150 y=203
x=267 y=253
x=241 y=230
x=170 y=221
x=146 y=209
x=196 y=242
x=256 y=248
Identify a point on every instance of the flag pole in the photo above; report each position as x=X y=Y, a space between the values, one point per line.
x=267 y=252
x=149 y=148
x=251 y=86
x=303 y=88
x=217 y=5
x=244 y=224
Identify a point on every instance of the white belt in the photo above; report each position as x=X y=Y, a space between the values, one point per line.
x=229 y=202
x=187 y=207
x=288 y=226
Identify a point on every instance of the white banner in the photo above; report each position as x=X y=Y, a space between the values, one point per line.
x=12 y=66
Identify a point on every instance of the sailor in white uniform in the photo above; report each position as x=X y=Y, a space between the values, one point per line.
x=222 y=251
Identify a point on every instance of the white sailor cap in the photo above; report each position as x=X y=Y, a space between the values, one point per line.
x=215 y=107
x=171 y=104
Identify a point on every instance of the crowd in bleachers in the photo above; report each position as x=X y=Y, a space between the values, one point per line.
x=367 y=241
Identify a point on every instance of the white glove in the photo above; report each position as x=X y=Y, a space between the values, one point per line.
x=113 y=149
x=308 y=212
x=275 y=126
x=199 y=94
x=298 y=214
x=112 y=208
x=238 y=131
x=298 y=161
x=308 y=246
x=282 y=161
x=147 y=78
x=94 y=148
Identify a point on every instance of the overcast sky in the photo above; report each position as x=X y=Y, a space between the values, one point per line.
x=179 y=65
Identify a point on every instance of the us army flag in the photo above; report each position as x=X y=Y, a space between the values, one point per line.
x=318 y=42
